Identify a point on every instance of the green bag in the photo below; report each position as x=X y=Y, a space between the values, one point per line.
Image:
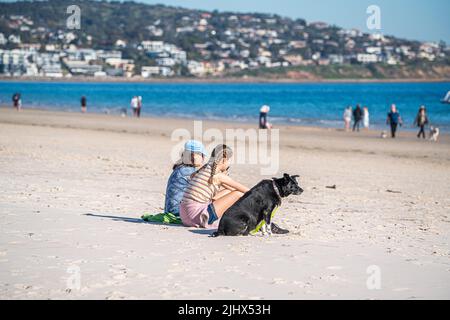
x=167 y=218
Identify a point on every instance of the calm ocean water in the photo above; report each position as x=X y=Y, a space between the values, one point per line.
x=319 y=104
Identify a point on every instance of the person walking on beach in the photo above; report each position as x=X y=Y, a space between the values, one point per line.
x=366 y=118
x=139 y=106
x=263 y=123
x=17 y=103
x=421 y=121
x=357 y=117
x=134 y=105
x=394 y=120
x=347 y=118
x=192 y=159
x=83 y=102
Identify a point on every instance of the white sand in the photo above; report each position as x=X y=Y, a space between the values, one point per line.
x=74 y=186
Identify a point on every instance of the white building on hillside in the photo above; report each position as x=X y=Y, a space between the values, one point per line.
x=367 y=58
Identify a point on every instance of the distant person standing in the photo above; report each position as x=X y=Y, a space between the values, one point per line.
x=17 y=103
x=357 y=117
x=83 y=102
x=139 y=106
x=394 y=120
x=421 y=121
x=134 y=105
x=347 y=118
x=263 y=123
x=366 y=118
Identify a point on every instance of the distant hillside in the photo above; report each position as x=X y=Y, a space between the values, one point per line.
x=236 y=44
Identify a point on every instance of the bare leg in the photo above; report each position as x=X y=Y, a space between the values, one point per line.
x=222 y=204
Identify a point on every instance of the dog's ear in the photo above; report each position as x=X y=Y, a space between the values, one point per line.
x=286 y=176
x=295 y=177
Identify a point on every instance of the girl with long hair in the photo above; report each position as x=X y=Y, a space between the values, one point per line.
x=210 y=191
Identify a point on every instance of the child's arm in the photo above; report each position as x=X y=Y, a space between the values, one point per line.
x=227 y=187
x=230 y=184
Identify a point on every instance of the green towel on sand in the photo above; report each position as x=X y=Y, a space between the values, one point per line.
x=168 y=218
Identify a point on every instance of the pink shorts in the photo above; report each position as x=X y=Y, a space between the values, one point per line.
x=199 y=215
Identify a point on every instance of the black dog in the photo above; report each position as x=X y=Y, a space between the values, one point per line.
x=257 y=205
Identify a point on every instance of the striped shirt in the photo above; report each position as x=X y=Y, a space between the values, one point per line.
x=199 y=188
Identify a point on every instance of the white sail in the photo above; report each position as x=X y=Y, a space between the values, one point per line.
x=447 y=97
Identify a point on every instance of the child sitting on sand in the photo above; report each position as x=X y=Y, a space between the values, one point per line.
x=210 y=191
x=192 y=158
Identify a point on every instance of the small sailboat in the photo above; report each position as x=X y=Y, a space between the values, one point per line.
x=447 y=98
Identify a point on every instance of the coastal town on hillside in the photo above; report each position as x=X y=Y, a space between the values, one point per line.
x=201 y=44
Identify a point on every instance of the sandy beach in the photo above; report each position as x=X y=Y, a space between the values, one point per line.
x=73 y=188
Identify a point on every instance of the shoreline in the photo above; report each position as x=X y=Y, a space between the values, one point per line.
x=373 y=130
x=164 y=125
x=231 y=80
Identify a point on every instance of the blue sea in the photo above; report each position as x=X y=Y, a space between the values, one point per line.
x=318 y=104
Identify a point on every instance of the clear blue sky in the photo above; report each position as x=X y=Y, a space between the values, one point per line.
x=427 y=20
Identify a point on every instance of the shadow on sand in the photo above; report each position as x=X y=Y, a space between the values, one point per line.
x=206 y=232
x=131 y=220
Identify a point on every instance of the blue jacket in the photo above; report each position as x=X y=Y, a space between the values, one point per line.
x=178 y=181
x=394 y=117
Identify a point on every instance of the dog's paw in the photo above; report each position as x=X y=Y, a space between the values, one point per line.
x=264 y=230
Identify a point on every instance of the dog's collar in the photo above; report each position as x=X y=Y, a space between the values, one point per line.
x=277 y=191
